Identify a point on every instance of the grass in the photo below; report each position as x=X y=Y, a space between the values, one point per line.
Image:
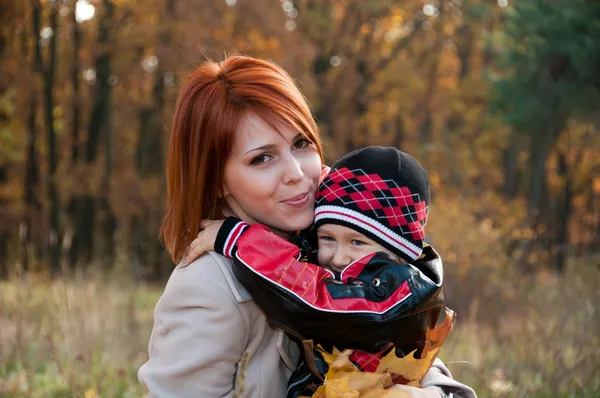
x=83 y=337
x=87 y=336
x=534 y=336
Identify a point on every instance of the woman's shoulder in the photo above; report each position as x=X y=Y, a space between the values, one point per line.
x=210 y=272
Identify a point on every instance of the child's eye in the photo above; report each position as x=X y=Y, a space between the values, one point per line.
x=260 y=159
x=357 y=242
x=302 y=143
x=326 y=238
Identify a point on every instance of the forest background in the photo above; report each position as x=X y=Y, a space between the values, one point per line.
x=499 y=99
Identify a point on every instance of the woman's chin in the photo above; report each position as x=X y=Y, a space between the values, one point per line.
x=300 y=222
x=297 y=223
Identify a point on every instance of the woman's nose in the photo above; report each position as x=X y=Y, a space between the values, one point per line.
x=293 y=171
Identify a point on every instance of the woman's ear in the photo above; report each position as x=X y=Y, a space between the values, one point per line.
x=225 y=199
x=223 y=192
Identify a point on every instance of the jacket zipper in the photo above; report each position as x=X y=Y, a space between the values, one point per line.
x=297 y=383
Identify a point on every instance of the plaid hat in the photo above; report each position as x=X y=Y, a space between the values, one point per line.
x=381 y=192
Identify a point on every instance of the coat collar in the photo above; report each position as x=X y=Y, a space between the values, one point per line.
x=226 y=265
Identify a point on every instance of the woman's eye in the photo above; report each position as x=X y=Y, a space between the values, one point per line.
x=260 y=159
x=357 y=242
x=302 y=143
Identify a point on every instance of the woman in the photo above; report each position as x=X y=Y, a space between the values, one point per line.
x=243 y=141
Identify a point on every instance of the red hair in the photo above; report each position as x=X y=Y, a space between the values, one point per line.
x=211 y=103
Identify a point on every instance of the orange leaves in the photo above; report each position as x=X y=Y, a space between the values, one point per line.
x=345 y=380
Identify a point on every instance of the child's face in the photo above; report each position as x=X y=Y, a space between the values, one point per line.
x=339 y=246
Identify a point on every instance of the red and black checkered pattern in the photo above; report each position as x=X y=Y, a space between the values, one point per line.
x=382 y=200
x=382 y=192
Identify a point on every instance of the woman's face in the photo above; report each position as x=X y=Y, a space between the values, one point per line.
x=271 y=176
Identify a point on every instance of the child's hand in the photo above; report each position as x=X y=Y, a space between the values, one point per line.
x=205 y=241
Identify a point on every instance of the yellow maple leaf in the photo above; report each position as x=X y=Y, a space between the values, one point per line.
x=365 y=382
x=344 y=379
x=340 y=387
x=409 y=367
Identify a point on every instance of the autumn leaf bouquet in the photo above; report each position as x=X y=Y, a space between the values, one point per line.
x=344 y=379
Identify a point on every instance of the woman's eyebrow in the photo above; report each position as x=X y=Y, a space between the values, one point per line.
x=260 y=148
x=271 y=146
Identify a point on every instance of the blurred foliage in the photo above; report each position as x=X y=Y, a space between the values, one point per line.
x=547 y=84
x=498 y=100
x=549 y=61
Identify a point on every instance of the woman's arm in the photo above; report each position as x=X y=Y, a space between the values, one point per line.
x=199 y=335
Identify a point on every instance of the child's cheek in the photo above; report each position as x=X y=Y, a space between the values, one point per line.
x=323 y=255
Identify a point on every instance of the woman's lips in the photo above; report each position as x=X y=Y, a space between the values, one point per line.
x=297 y=201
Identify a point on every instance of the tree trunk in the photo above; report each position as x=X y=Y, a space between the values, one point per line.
x=355 y=136
x=75 y=70
x=540 y=146
x=83 y=238
x=49 y=72
x=4 y=231
x=110 y=221
x=4 y=255
x=465 y=47
x=400 y=133
x=536 y=180
x=145 y=248
x=563 y=214
x=32 y=203
x=75 y=201
x=320 y=67
x=455 y=121
x=4 y=234
x=426 y=130
x=149 y=140
x=511 y=167
x=425 y=133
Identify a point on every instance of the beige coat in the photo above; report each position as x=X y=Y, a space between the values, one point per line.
x=210 y=339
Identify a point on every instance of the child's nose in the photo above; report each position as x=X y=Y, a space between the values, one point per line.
x=340 y=260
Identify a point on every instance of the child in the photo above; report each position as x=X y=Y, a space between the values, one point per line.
x=378 y=287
